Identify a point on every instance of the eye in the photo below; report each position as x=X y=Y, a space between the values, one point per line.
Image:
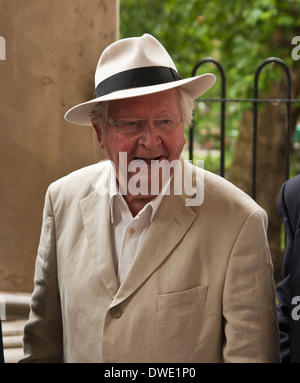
x=127 y=123
x=166 y=121
x=129 y=126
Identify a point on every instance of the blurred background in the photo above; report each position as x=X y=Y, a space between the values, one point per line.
x=51 y=52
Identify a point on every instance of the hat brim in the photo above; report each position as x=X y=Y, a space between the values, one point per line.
x=195 y=86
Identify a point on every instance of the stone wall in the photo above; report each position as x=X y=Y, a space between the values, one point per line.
x=52 y=48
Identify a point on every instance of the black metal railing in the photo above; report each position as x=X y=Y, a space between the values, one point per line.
x=255 y=101
x=222 y=101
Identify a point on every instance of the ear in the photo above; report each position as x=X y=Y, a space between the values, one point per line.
x=99 y=134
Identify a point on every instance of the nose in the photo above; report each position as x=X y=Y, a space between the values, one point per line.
x=149 y=138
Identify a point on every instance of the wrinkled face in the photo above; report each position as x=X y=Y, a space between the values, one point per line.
x=150 y=140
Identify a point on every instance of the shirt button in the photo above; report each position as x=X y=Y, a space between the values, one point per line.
x=116 y=312
x=131 y=230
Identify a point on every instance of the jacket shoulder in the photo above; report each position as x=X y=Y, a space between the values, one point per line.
x=289 y=203
x=221 y=192
x=80 y=181
x=291 y=188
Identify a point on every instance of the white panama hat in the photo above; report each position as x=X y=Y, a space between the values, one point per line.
x=132 y=67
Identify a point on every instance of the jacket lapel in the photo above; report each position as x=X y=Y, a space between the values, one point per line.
x=95 y=210
x=171 y=222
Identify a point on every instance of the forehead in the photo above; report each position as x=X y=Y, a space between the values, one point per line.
x=167 y=101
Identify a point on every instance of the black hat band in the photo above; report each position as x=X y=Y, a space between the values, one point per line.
x=136 y=78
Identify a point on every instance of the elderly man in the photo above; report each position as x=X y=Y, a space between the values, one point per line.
x=131 y=267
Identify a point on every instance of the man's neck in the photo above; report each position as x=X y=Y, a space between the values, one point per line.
x=137 y=203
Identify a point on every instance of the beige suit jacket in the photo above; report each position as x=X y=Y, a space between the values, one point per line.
x=199 y=290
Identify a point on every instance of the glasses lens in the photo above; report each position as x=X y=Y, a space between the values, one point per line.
x=165 y=123
x=133 y=126
x=130 y=126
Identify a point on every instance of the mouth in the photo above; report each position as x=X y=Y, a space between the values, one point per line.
x=148 y=161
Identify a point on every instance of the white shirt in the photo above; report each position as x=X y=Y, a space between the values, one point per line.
x=128 y=232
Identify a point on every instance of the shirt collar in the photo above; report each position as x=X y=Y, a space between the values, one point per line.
x=114 y=194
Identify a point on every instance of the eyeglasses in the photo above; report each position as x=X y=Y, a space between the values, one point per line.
x=134 y=126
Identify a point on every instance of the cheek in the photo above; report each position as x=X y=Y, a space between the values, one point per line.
x=175 y=144
x=182 y=140
x=114 y=144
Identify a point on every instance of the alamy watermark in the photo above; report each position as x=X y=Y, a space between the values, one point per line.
x=296 y=50
x=152 y=177
x=296 y=310
x=2 y=48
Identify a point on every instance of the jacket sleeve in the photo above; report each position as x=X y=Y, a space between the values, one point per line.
x=43 y=331
x=249 y=305
x=282 y=289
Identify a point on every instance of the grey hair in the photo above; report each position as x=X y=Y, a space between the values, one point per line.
x=187 y=106
x=99 y=114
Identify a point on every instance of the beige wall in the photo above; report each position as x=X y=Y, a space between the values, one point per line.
x=52 y=48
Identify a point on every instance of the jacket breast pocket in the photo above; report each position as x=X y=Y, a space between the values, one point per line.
x=182 y=298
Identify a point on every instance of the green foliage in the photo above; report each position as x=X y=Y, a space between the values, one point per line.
x=239 y=34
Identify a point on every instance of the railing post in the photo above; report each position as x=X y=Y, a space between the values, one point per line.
x=223 y=102
x=255 y=102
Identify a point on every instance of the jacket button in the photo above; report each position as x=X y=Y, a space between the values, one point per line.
x=116 y=312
